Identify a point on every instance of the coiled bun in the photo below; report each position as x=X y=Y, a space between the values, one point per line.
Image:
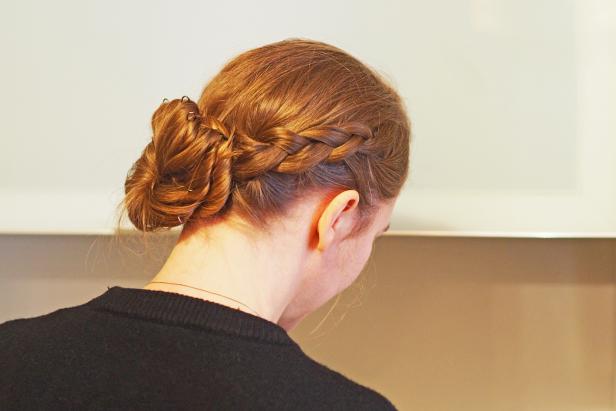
x=307 y=118
x=186 y=165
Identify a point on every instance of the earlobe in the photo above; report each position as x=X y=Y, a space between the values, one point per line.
x=337 y=211
x=323 y=242
x=325 y=232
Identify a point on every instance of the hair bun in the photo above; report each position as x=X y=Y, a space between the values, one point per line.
x=181 y=168
x=310 y=118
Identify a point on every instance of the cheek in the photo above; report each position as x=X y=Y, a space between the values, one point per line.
x=354 y=262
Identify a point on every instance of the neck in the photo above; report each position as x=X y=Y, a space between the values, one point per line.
x=212 y=296
x=225 y=266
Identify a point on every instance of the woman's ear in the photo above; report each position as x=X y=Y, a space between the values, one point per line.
x=337 y=218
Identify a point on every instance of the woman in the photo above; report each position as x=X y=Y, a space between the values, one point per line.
x=283 y=173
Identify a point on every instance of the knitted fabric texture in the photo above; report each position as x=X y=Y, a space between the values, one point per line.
x=132 y=348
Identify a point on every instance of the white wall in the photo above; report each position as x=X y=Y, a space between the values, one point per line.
x=510 y=102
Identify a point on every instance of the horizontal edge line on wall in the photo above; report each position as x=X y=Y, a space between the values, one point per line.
x=390 y=233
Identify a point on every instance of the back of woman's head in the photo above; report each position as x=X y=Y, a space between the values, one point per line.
x=277 y=123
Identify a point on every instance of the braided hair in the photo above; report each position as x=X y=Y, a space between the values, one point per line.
x=277 y=123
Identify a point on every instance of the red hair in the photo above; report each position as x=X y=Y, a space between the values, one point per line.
x=277 y=122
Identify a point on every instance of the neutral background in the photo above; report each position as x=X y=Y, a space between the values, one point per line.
x=510 y=101
x=433 y=323
x=496 y=288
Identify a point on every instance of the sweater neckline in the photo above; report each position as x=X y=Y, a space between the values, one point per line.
x=178 y=309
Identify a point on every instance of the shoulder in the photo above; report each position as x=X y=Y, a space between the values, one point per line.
x=24 y=324
x=21 y=332
x=347 y=393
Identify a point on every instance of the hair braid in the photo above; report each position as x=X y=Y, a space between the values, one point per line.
x=306 y=117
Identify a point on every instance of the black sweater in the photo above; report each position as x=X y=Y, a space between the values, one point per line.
x=132 y=348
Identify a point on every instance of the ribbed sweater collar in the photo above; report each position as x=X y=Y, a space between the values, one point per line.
x=178 y=309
